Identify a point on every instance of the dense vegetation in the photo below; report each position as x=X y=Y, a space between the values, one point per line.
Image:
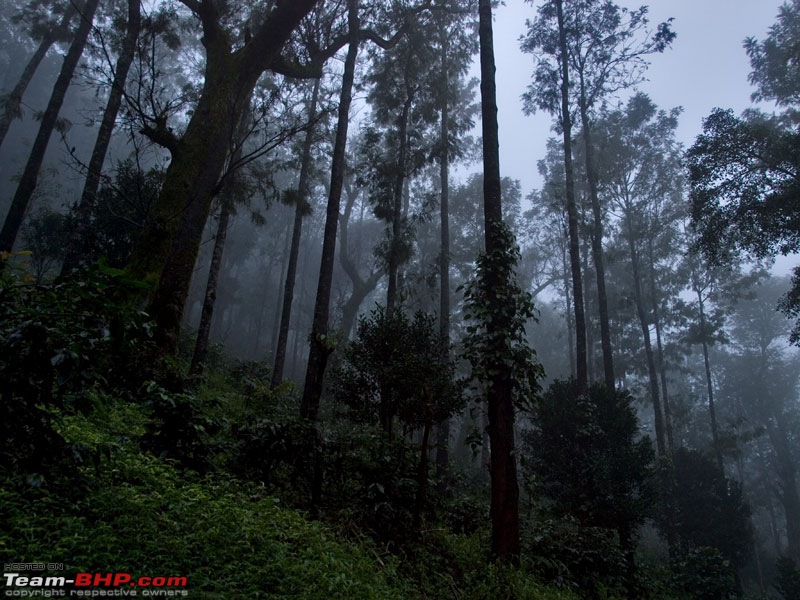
x=289 y=356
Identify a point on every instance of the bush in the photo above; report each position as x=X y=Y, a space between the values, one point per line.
x=705 y=574
x=788 y=583
x=58 y=341
x=586 y=560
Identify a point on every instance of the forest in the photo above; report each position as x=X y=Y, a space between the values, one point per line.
x=274 y=322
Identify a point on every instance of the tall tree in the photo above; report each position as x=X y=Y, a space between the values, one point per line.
x=301 y=200
x=606 y=57
x=28 y=180
x=49 y=34
x=551 y=92
x=88 y=201
x=319 y=345
x=641 y=170
x=744 y=172
x=505 y=365
x=762 y=381
x=165 y=253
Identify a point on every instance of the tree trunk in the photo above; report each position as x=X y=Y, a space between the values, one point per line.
x=319 y=347
x=786 y=468
x=14 y=99
x=397 y=208
x=597 y=250
x=581 y=365
x=662 y=370
x=422 y=474
x=361 y=288
x=206 y=315
x=503 y=469
x=165 y=253
x=443 y=429
x=648 y=347
x=297 y=229
x=28 y=181
x=83 y=211
x=712 y=410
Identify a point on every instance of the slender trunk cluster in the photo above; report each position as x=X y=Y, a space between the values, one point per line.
x=581 y=358
x=297 y=230
x=28 y=180
x=319 y=346
x=83 y=211
x=13 y=101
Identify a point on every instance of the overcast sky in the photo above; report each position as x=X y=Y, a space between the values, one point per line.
x=706 y=67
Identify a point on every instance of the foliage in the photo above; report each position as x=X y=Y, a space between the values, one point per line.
x=788 y=583
x=603 y=47
x=371 y=482
x=227 y=539
x=705 y=574
x=45 y=234
x=744 y=170
x=775 y=67
x=179 y=427
x=506 y=350
x=396 y=367
x=584 y=559
x=585 y=456
x=57 y=342
x=120 y=211
x=705 y=508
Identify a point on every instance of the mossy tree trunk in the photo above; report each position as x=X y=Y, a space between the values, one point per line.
x=165 y=252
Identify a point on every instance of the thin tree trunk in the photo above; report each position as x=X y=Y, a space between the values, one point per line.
x=597 y=251
x=568 y=314
x=648 y=347
x=443 y=429
x=81 y=229
x=13 y=101
x=319 y=348
x=297 y=229
x=28 y=181
x=588 y=303
x=581 y=365
x=660 y=348
x=712 y=410
x=504 y=507
x=210 y=298
x=787 y=473
x=361 y=288
x=422 y=474
x=397 y=209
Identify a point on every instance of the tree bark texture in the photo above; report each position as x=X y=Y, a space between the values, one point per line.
x=28 y=181
x=504 y=508
x=166 y=251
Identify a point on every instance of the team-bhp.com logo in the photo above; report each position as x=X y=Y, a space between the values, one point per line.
x=28 y=585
